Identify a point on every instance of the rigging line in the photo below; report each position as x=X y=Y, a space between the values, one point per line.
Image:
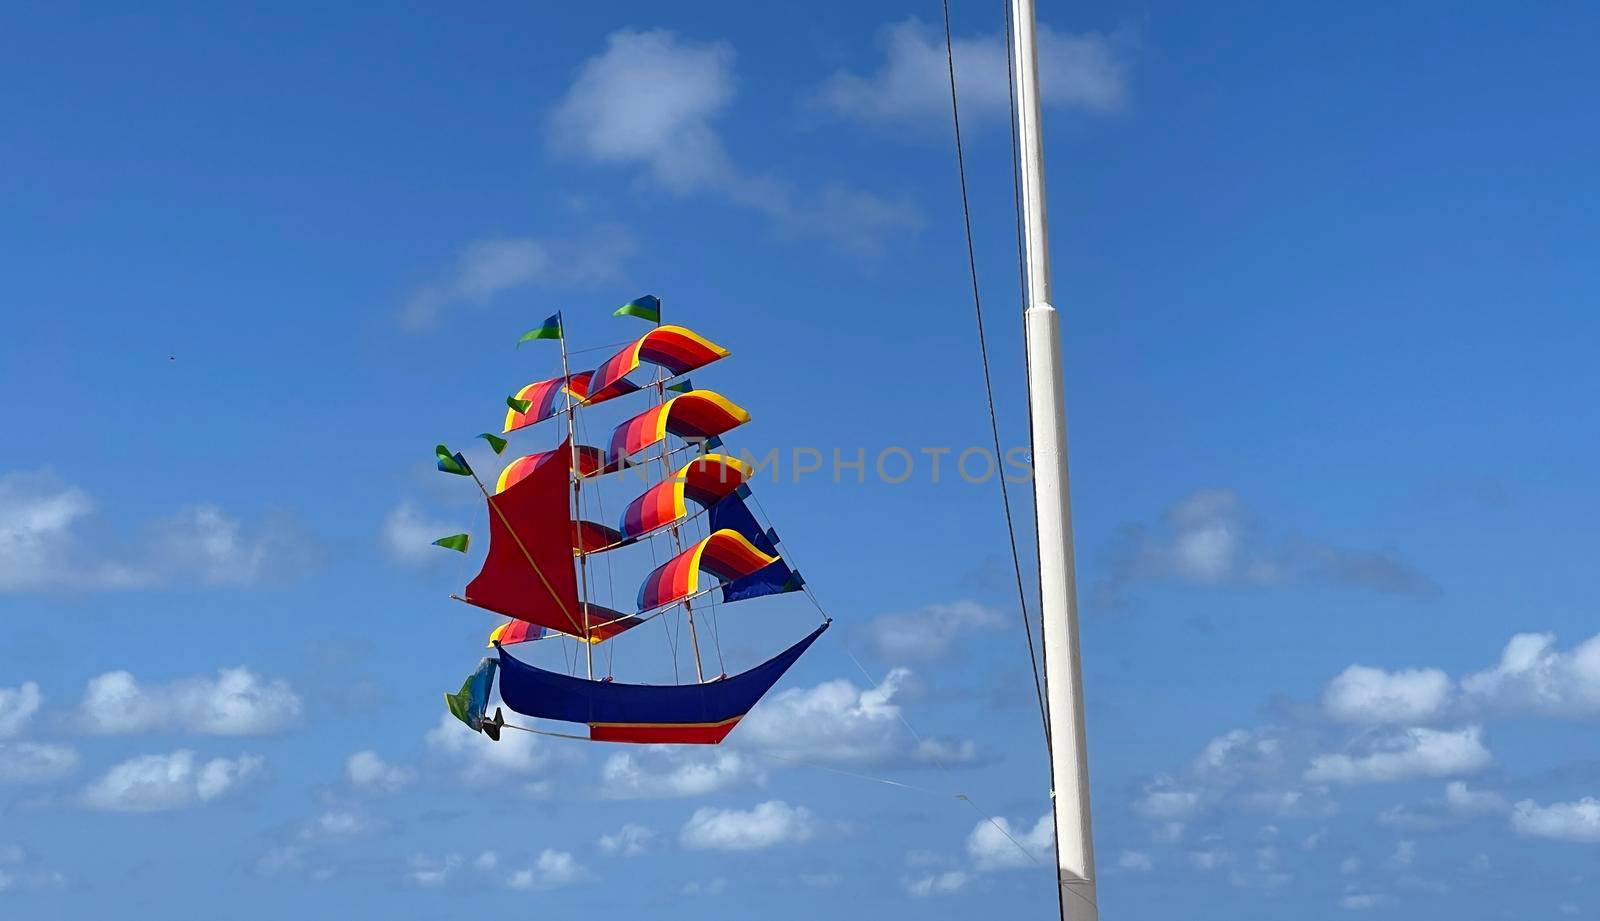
x=938 y=761
x=883 y=780
x=983 y=351
x=545 y=732
x=611 y=582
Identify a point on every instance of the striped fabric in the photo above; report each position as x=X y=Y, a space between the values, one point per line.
x=674 y=348
x=546 y=398
x=695 y=415
x=703 y=481
x=726 y=555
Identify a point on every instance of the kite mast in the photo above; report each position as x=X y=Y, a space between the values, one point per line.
x=1069 y=768
x=677 y=538
x=577 y=502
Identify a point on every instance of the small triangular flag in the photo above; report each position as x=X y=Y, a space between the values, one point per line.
x=456 y=542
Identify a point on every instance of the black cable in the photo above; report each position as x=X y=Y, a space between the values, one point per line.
x=983 y=351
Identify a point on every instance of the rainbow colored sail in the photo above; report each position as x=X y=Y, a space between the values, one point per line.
x=726 y=555
x=673 y=348
x=546 y=398
x=695 y=416
x=703 y=481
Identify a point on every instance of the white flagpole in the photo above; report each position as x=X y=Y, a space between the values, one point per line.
x=1069 y=766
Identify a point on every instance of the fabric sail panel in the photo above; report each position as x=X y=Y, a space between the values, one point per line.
x=699 y=414
x=545 y=399
x=604 y=624
x=674 y=348
x=725 y=554
x=773 y=579
x=583 y=460
x=528 y=573
x=615 y=712
x=703 y=481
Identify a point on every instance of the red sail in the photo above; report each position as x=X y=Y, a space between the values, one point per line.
x=528 y=573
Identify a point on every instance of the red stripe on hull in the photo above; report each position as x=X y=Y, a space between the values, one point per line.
x=680 y=734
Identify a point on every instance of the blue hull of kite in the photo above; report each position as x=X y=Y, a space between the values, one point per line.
x=684 y=714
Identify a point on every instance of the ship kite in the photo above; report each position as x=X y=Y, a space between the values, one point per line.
x=539 y=571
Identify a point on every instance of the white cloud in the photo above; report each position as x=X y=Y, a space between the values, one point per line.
x=1404 y=755
x=366 y=771
x=675 y=771
x=551 y=870
x=481 y=760
x=1211 y=858
x=485 y=269
x=487 y=861
x=913 y=84
x=429 y=871
x=628 y=841
x=41 y=546
x=770 y=823
x=995 y=845
x=1361 y=901
x=1207 y=538
x=717 y=885
x=1405 y=854
x=19 y=869
x=650 y=100
x=1576 y=822
x=1533 y=677
x=336 y=823
x=236 y=702
x=17 y=707
x=408 y=535
x=1135 y=862
x=154 y=783
x=1162 y=802
x=929 y=633
x=936 y=883
x=1372 y=696
x=839 y=722
x=35 y=762
x=1464 y=801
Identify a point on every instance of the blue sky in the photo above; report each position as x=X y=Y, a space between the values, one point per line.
x=1327 y=284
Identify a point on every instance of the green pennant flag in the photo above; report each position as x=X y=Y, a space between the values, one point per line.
x=456 y=542
x=451 y=463
x=683 y=386
x=647 y=307
x=520 y=406
x=460 y=703
x=495 y=441
x=549 y=329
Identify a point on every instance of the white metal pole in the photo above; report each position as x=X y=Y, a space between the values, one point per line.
x=1069 y=766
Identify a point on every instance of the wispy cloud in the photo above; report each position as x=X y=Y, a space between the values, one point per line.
x=671 y=771
x=1209 y=538
x=157 y=783
x=766 y=825
x=839 y=722
x=236 y=702
x=43 y=544
x=911 y=86
x=485 y=269
x=1578 y=821
x=408 y=534
x=1404 y=755
x=650 y=101
x=367 y=772
x=930 y=633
